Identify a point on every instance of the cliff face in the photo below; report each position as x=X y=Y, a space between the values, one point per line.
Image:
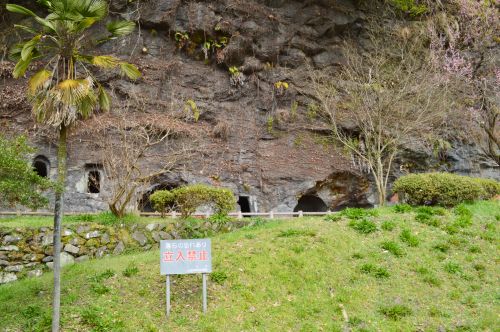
x=254 y=134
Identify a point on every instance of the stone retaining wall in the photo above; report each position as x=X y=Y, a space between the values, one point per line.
x=27 y=252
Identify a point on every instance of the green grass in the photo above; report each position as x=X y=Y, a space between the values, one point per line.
x=301 y=274
x=105 y=218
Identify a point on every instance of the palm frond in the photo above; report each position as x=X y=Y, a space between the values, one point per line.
x=29 y=46
x=66 y=102
x=38 y=80
x=19 y=10
x=129 y=70
x=120 y=28
x=104 y=100
x=15 y=52
x=21 y=67
x=25 y=28
x=104 y=61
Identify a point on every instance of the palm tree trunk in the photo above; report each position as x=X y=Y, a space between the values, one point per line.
x=58 y=216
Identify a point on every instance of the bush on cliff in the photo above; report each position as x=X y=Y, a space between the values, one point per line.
x=444 y=189
x=188 y=198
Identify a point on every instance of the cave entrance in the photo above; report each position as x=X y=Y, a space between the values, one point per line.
x=93 y=178
x=244 y=203
x=310 y=203
x=41 y=165
x=94 y=182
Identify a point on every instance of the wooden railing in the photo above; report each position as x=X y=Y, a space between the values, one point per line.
x=173 y=214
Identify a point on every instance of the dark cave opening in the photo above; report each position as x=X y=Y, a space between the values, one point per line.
x=310 y=203
x=41 y=165
x=244 y=203
x=94 y=182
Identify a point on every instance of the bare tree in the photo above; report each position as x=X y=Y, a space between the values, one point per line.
x=137 y=148
x=382 y=101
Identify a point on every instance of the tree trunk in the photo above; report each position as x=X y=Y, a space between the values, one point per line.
x=58 y=216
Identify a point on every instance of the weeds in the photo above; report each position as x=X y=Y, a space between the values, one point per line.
x=296 y=232
x=130 y=271
x=402 y=208
x=359 y=213
x=396 y=312
x=96 y=318
x=453 y=268
x=333 y=217
x=388 y=225
x=218 y=277
x=393 y=248
x=376 y=271
x=408 y=238
x=363 y=226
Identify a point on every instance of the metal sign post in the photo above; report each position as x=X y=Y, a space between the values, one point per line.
x=168 y=295
x=186 y=257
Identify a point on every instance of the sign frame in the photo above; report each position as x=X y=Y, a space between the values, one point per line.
x=187 y=256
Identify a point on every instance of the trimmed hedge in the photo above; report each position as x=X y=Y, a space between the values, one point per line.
x=161 y=200
x=444 y=189
x=188 y=198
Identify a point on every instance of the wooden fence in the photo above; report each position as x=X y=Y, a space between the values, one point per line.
x=173 y=214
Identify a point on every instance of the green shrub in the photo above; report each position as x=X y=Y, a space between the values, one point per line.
x=363 y=226
x=490 y=186
x=161 y=200
x=189 y=198
x=402 y=208
x=443 y=189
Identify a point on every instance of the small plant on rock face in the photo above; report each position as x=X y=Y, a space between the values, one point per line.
x=237 y=78
x=293 y=110
x=280 y=87
x=270 y=124
x=181 y=39
x=191 y=110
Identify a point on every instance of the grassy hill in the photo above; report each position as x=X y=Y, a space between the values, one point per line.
x=422 y=270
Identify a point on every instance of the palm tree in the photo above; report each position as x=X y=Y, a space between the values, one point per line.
x=65 y=89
